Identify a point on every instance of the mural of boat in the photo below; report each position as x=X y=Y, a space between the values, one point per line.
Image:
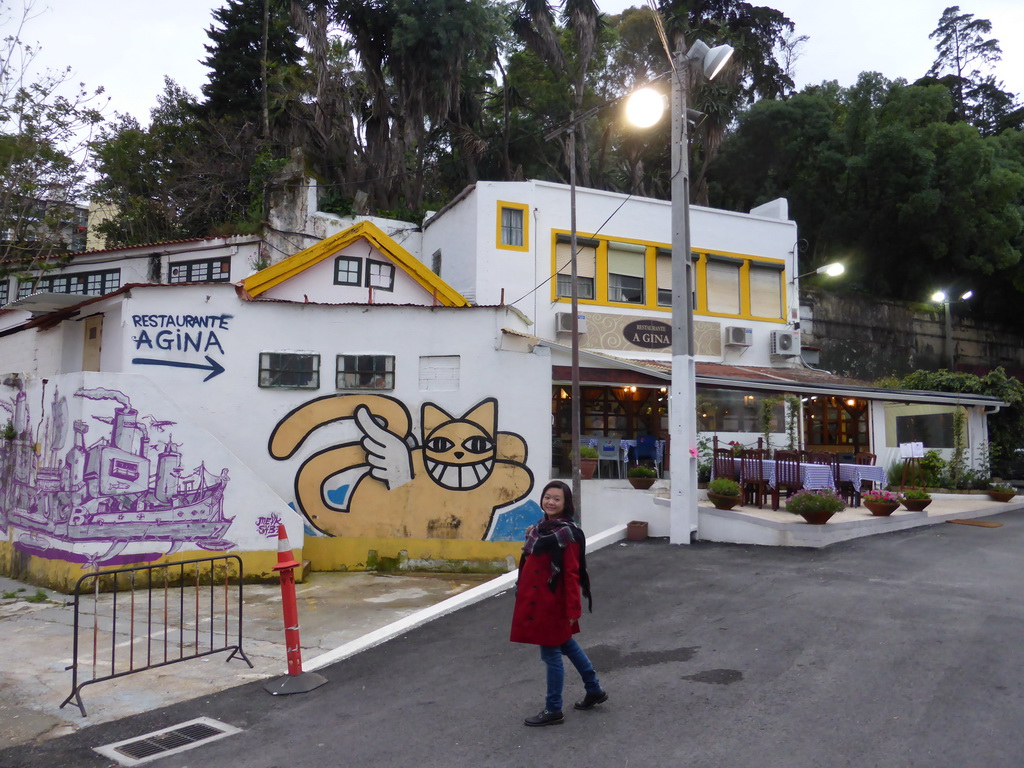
x=112 y=496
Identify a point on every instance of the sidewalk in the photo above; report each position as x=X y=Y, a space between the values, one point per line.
x=335 y=609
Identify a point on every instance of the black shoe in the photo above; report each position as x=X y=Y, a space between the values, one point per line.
x=591 y=700
x=545 y=718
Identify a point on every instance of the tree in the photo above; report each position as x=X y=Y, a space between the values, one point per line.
x=411 y=63
x=44 y=127
x=962 y=47
x=877 y=176
x=757 y=34
x=180 y=176
x=253 y=53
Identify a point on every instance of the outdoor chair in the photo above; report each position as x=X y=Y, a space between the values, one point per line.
x=752 y=477
x=647 y=450
x=608 y=452
x=723 y=464
x=787 y=475
x=869 y=459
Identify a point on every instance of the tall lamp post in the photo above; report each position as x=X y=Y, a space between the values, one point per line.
x=940 y=297
x=709 y=62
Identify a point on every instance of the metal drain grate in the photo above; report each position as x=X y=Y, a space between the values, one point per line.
x=166 y=741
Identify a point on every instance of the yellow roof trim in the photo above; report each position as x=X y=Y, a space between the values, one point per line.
x=275 y=274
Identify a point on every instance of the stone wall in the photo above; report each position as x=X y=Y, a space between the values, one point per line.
x=867 y=338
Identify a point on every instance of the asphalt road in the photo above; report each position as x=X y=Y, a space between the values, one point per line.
x=894 y=650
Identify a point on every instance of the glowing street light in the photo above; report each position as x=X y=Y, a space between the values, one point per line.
x=700 y=59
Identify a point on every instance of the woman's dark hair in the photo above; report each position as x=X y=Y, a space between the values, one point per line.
x=568 y=510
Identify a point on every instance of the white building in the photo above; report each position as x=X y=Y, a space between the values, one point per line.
x=395 y=387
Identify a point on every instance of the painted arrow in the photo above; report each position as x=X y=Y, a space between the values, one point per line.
x=214 y=367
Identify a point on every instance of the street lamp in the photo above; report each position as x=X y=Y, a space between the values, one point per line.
x=700 y=59
x=831 y=270
x=940 y=297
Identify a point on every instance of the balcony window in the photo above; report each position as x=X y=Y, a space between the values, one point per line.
x=586 y=266
x=723 y=285
x=766 y=290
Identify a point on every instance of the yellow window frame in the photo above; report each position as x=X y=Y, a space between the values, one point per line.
x=525 y=208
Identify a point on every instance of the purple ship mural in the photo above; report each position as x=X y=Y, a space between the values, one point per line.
x=108 y=502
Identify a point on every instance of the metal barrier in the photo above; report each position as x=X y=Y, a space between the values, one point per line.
x=162 y=626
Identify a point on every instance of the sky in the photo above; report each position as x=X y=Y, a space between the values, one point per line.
x=129 y=46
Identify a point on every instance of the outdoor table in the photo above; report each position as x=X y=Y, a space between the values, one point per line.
x=812 y=476
x=857 y=473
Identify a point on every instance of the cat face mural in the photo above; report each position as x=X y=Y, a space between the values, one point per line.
x=383 y=481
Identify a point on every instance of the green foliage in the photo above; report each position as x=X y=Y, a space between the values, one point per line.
x=8 y=432
x=43 y=157
x=932 y=465
x=641 y=471
x=182 y=176
x=916 y=493
x=880 y=173
x=235 y=87
x=704 y=458
x=1006 y=428
x=586 y=452
x=823 y=500
x=723 y=486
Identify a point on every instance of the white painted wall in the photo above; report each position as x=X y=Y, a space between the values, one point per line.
x=316 y=283
x=480 y=269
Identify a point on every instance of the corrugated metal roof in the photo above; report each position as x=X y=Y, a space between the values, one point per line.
x=811 y=381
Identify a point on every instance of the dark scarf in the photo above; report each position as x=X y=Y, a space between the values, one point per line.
x=552 y=536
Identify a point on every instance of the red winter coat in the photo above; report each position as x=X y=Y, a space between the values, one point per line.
x=543 y=617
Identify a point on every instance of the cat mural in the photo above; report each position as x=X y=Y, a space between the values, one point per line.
x=380 y=481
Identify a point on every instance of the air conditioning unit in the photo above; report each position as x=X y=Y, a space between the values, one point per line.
x=785 y=343
x=563 y=322
x=737 y=336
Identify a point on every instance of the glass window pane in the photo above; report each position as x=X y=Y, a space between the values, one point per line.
x=512 y=226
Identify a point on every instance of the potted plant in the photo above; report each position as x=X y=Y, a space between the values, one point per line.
x=588 y=461
x=916 y=499
x=815 y=506
x=724 y=493
x=1001 y=492
x=641 y=477
x=881 y=503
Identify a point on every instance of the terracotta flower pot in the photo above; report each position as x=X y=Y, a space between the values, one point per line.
x=641 y=483
x=636 y=530
x=587 y=468
x=817 y=516
x=916 y=505
x=723 y=502
x=1000 y=495
x=882 y=508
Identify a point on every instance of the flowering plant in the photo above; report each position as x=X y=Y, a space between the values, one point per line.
x=737 y=448
x=823 y=500
x=916 y=493
x=1002 y=487
x=883 y=496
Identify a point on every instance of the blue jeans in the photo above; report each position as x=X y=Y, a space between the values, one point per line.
x=551 y=655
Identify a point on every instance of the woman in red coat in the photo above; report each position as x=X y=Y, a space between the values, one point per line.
x=551 y=571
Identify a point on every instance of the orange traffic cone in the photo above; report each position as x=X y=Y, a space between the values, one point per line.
x=296 y=681
x=285 y=557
